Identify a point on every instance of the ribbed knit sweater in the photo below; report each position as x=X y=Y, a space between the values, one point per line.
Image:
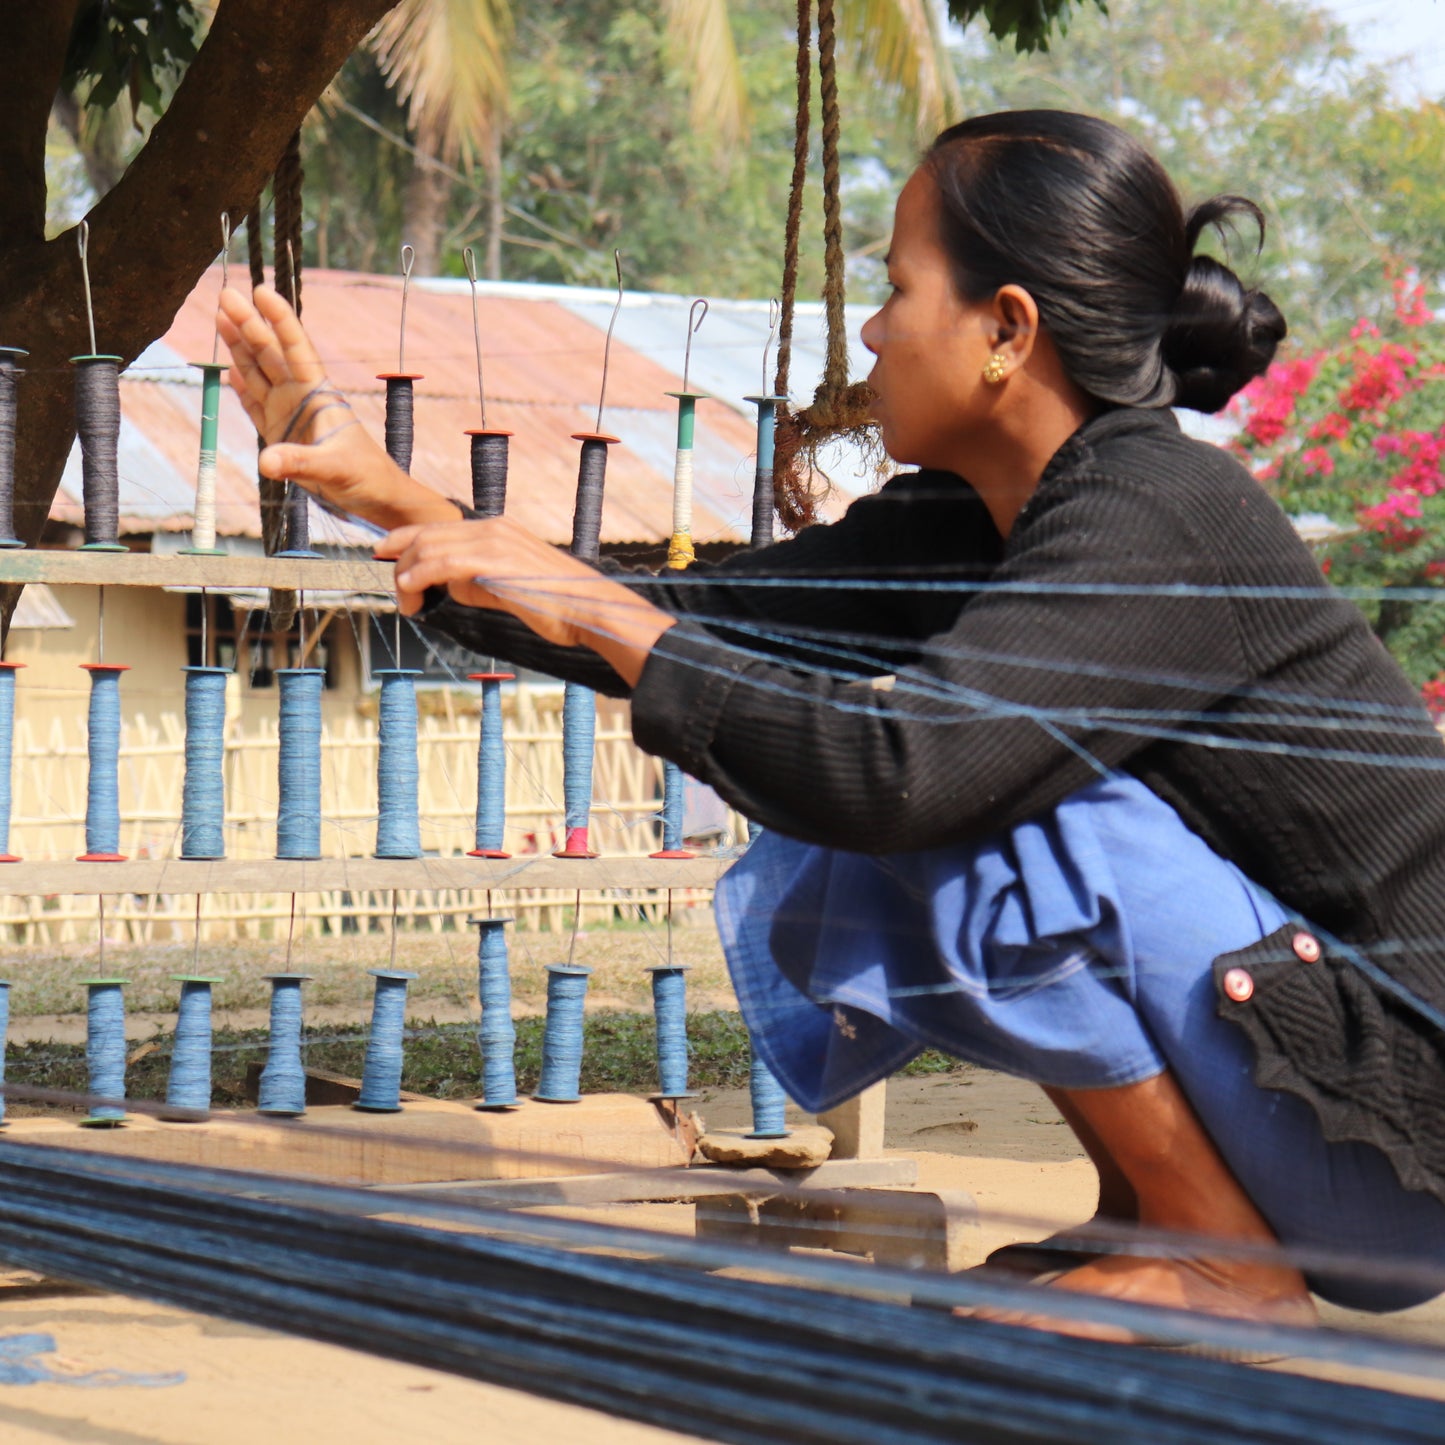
x=905 y=678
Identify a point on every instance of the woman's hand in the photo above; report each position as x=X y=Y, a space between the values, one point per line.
x=313 y=437
x=501 y=565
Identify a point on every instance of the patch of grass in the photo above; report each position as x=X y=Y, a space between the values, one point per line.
x=441 y=1060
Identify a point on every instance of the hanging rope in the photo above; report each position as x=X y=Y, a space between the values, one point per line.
x=840 y=408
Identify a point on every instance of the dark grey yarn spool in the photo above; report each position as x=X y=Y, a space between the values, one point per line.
x=587 y=517
x=399 y=420
x=297 y=519
x=97 y=420
x=489 y=473
x=10 y=374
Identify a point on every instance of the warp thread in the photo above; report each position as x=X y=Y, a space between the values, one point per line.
x=105 y=1046
x=674 y=794
x=189 y=1084
x=398 y=828
x=496 y=1034
x=381 y=1072
x=763 y=506
x=10 y=374
x=298 y=807
x=491 y=768
x=768 y=1100
x=203 y=792
x=562 y=1033
x=669 y=1014
x=203 y=529
x=399 y=405
x=7 y=753
x=97 y=421
x=489 y=473
x=579 y=729
x=102 y=792
x=283 y=1080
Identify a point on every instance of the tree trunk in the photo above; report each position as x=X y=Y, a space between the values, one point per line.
x=424 y=218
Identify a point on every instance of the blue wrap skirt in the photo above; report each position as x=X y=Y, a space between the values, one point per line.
x=1075 y=950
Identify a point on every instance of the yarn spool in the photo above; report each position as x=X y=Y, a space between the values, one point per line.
x=489 y=471
x=579 y=704
x=97 y=422
x=105 y=1048
x=298 y=807
x=283 y=1080
x=4 y=1029
x=669 y=1016
x=381 y=1073
x=562 y=1034
x=188 y=1087
x=7 y=752
x=203 y=530
x=203 y=792
x=768 y=1100
x=763 y=504
x=102 y=794
x=10 y=375
x=496 y=1034
x=491 y=768
x=679 y=550
x=296 y=523
x=398 y=829
x=399 y=415
x=674 y=795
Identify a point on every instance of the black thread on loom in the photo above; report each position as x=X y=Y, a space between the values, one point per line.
x=399 y=402
x=489 y=473
x=97 y=419
x=10 y=374
x=296 y=521
x=587 y=517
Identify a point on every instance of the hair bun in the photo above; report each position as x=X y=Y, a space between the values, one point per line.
x=1220 y=334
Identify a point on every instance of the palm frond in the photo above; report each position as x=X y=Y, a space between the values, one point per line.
x=700 y=36
x=901 y=43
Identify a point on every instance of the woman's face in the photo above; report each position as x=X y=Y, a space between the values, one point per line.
x=931 y=344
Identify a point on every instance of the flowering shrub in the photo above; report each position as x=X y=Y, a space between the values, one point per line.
x=1356 y=432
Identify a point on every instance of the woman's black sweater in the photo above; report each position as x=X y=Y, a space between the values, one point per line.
x=905 y=679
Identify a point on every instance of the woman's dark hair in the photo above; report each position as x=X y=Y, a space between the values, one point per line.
x=1086 y=220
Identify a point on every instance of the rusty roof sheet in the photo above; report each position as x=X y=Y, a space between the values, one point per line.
x=542 y=362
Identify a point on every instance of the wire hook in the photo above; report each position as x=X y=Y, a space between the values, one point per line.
x=82 y=236
x=692 y=327
x=607 y=345
x=408 y=260
x=775 y=316
x=469 y=258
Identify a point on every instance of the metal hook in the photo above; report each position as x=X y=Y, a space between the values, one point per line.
x=225 y=275
x=469 y=258
x=408 y=260
x=775 y=316
x=82 y=235
x=692 y=327
x=607 y=345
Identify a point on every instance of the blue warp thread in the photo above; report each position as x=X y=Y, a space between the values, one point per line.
x=491 y=770
x=763 y=503
x=4 y=1029
x=7 y=750
x=102 y=794
x=562 y=1033
x=769 y=1102
x=105 y=1046
x=669 y=1012
x=381 y=1073
x=496 y=1035
x=189 y=1084
x=298 y=809
x=283 y=1080
x=203 y=794
x=579 y=726
x=398 y=831
x=673 y=792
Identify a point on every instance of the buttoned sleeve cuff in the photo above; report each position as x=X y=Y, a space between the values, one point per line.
x=682 y=693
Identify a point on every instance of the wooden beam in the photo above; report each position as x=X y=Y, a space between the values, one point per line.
x=857 y=1124
x=325 y=875
x=145 y=569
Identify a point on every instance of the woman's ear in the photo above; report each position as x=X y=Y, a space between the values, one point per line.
x=1016 y=324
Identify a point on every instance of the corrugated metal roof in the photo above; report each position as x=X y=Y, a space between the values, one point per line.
x=542 y=353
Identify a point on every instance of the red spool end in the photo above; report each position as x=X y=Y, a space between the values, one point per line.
x=10 y=857
x=487 y=853
x=102 y=858
x=484 y=676
x=106 y=666
x=673 y=853
x=487 y=431
x=595 y=436
x=575 y=846
x=14 y=665
x=399 y=376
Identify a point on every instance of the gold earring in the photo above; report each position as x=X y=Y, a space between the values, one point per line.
x=995 y=368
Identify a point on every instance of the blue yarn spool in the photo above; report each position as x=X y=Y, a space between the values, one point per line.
x=398 y=831
x=496 y=1035
x=491 y=768
x=189 y=1084
x=4 y=1029
x=769 y=1102
x=763 y=505
x=669 y=1014
x=105 y=1046
x=298 y=809
x=562 y=1033
x=102 y=794
x=7 y=751
x=674 y=787
x=283 y=1080
x=381 y=1073
x=579 y=728
x=203 y=794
